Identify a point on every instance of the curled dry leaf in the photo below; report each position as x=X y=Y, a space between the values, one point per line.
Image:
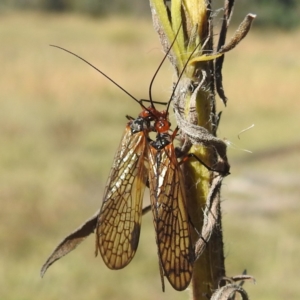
x=211 y=215
x=228 y=291
x=70 y=242
x=240 y=33
x=241 y=278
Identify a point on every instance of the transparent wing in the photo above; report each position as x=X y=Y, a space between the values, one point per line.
x=170 y=216
x=119 y=221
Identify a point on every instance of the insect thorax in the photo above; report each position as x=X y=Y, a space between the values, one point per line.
x=162 y=140
x=139 y=124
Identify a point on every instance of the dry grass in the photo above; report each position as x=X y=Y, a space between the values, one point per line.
x=61 y=123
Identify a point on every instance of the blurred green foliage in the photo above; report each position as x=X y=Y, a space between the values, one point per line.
x=89 y=7
x=271 y=13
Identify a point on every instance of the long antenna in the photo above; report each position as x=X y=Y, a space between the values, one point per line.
x=106 y=76
x=160 y=65
x=181 y=74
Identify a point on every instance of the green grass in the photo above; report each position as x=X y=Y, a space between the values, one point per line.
x=61 y=122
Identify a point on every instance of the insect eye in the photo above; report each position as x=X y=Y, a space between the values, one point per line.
x=162 y=126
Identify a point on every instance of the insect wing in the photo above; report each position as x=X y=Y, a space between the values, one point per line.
x=170 y=216
x=119 y=221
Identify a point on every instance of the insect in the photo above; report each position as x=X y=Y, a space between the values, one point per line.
x=119 y=221
x=139 y=160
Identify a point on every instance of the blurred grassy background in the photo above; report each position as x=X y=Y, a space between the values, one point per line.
x=61 y=123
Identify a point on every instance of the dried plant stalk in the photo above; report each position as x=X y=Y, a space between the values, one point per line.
x=198 y=65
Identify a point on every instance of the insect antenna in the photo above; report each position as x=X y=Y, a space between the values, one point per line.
x=106 y=76
x=159 y=67
x=181 y=74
